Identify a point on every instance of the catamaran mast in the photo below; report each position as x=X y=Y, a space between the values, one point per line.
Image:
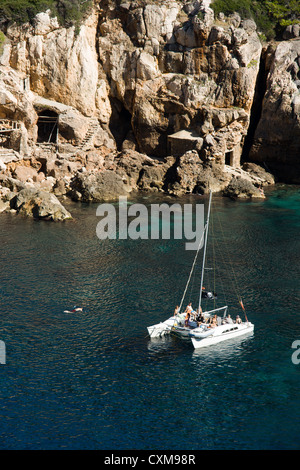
x=204 y=251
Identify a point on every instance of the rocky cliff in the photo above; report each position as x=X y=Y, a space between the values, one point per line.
x=160 y=95
x=276 y=141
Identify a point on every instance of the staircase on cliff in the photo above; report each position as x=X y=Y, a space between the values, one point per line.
x=92 y=129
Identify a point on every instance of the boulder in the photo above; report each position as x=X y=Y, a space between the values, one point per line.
x=24 y=173
x=242 y=188
x=153 y=177
x=97 y=187
x=39 y=204
x=292 y=31
x=190 y=174
x=147 y=68
x=129 y=165
x=257 y=171
x=4 y=206
x=5 y=196
x=13 y=184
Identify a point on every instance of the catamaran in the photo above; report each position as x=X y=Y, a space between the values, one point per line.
x=202 y=328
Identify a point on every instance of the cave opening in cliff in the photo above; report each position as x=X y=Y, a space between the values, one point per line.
x=229 y=158
x=47 y=126
x=120 y=122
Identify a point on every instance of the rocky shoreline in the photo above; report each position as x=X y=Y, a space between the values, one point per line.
x=145 y=97
x=33 y=187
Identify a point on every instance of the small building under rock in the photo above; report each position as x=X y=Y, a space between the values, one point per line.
x=186 y=140
x=183 y=141
x=47 y=127
x=233 y=157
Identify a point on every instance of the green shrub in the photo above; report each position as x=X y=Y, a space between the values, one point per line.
x=271 y=17
x=2 y=40
x=22 y=11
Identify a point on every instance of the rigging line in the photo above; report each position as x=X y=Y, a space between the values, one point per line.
x=209 y=271
x=218 y=250
x=192 y=284
x=234 y=281
x=214 y=256
x=204 y=252
x=224 y=263
x=218 y=253
x=193 y=265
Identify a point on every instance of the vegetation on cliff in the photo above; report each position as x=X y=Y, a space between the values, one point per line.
x=272 y=17
x=21 y=11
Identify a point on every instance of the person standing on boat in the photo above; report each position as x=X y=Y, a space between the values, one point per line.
x=176 y=311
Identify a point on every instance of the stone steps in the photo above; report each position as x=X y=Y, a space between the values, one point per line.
x=92 y=129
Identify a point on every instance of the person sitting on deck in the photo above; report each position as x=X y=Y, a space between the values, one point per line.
x=229 y=319
x=187 y=319
x=213 y=322
x=189 y=308
x=193 y=315
x=176 y=311
x=238 y=320
x=200 y=317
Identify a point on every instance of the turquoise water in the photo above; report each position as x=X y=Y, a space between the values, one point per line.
x=94 y=380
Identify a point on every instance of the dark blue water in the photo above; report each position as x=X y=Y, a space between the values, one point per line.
x=94 y=380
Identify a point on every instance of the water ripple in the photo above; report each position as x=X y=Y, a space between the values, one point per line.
x=94 y=380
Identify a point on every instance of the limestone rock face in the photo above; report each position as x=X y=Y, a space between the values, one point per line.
x=168 y=65
x=61 y=65
x=173 y=69
x=277 y=137
x=146 y=95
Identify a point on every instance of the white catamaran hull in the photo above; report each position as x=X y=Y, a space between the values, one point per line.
x=162 y=328
x=171 y=325
x=220 y=333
